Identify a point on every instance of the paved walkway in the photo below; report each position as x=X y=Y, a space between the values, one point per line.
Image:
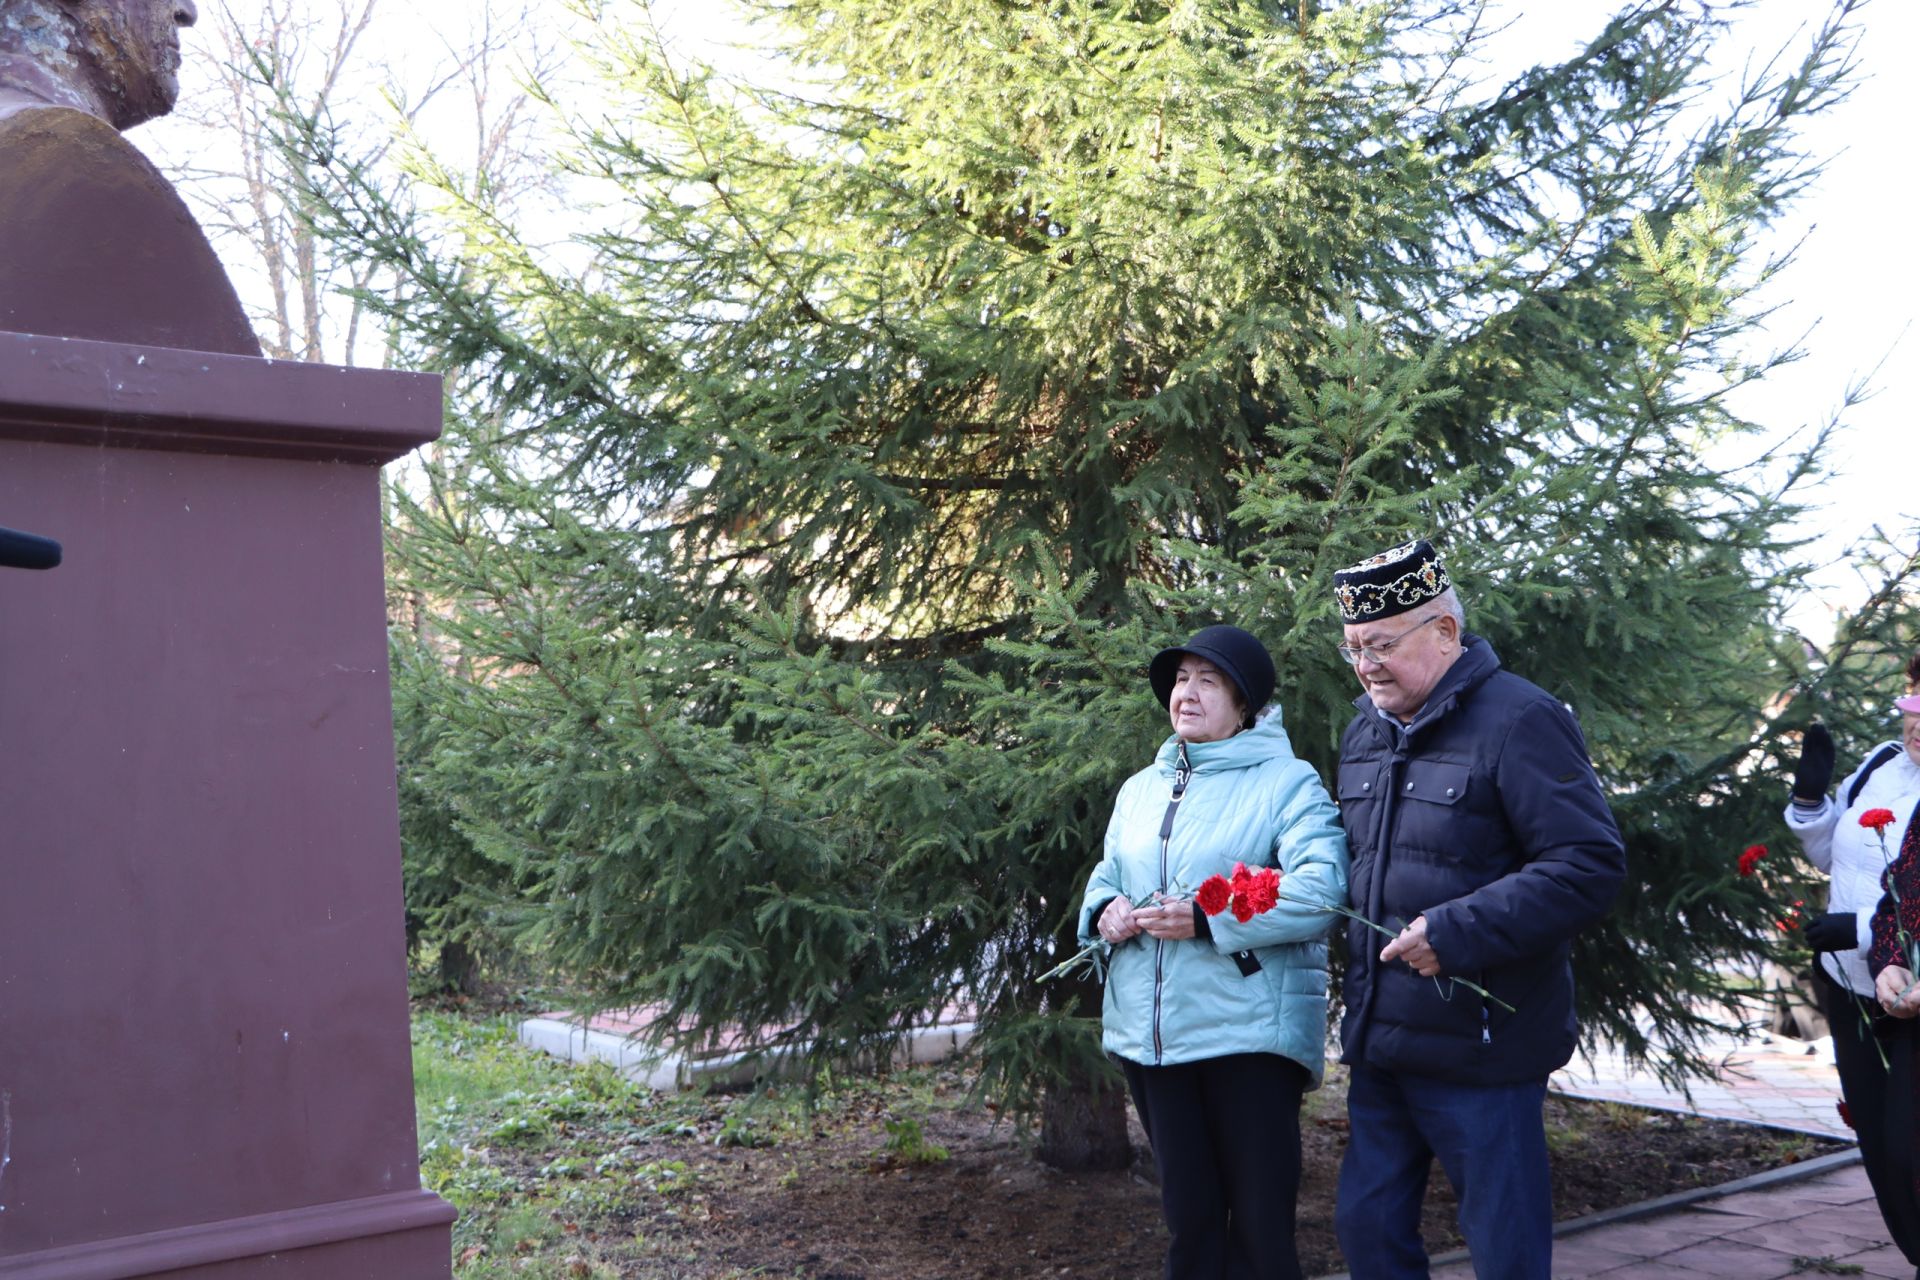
x=1814 y=1220
x=1772 y=1080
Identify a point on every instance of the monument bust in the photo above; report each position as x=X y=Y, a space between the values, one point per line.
x=94 y=241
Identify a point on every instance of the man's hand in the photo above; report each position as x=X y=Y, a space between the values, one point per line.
x=1116 y=922
x=1412 y=947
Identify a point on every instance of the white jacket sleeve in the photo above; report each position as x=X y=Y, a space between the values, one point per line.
x=1815 y=829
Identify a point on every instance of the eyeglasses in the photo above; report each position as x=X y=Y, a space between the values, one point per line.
x=1379 y=653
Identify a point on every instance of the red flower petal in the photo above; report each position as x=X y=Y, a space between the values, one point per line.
x=1877 y=819
x=1213 y=895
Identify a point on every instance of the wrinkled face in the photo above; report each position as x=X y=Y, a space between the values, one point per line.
x=1204 y=706
x=130 y=49
x=1422 y=644
x=1910 y=734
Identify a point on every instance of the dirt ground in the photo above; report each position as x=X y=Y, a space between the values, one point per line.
x=844 y=1204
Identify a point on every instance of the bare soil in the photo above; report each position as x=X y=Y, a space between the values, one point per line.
x=843 y=1197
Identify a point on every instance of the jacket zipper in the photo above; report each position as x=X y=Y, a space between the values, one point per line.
x=1182 y=774
x=1377 y=884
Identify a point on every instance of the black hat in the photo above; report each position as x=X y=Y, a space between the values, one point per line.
x=1244 y=659
x=1390 y=583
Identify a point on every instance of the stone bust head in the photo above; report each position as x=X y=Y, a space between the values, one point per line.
x=118 y=60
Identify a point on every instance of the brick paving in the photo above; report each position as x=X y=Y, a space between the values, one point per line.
x=1771 y=1080
x=1824 y=1225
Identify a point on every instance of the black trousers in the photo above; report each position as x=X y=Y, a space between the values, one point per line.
x=1880 y=1097
x=1226 y=1141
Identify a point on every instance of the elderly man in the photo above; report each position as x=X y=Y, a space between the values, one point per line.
x=1478 y=829
x=94 y=241
x=117 y=60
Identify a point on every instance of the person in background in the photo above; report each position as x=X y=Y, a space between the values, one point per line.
x=1219 y=1023
x=1479 y=829
x=1873 y=1054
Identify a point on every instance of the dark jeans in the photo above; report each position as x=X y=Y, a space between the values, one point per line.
x=1492 y=1143
x=1226 y=1141
x=1881 y=1120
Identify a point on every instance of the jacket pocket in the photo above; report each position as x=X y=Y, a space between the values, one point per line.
x=1360 y=782
x=1435 y=782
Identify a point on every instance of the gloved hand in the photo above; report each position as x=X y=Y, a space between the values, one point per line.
x=1814 y=774
x=1834 y=931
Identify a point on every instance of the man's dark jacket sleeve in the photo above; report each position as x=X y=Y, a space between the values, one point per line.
x=1553 y=803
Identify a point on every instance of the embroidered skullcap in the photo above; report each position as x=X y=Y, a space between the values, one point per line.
x=1390 y=583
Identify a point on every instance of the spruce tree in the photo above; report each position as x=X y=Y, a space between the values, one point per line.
x=807 y=520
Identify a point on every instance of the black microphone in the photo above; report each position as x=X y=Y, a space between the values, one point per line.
x=27 y=550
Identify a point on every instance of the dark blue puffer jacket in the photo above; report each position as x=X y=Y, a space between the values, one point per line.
x=1485 y=816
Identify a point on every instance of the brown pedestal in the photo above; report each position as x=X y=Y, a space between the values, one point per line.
x=204 y=1060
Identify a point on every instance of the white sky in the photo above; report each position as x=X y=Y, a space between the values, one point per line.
x=1854 y=291
x=1854 y=287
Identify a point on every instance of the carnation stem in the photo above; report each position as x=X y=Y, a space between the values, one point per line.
x=1385 y=932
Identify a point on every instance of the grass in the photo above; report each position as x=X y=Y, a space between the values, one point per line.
x=486 y=1104
x=548 y=1163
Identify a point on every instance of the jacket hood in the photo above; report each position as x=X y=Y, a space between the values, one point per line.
x=1249 y=748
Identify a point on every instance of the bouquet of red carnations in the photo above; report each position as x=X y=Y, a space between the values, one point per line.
x=1247 y=894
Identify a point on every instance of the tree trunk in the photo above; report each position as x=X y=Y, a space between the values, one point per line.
x=1083 y=1126
x=459 y=968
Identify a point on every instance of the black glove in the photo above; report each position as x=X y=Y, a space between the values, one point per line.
x=1834 y=931
x=1814 y=774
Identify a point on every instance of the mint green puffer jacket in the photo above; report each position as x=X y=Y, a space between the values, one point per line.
x=1249 y=800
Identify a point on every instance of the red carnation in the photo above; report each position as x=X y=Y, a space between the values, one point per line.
x=1242 y=908
x=1213 y=895
x=1877 y=819
x=1751 y=858
x=1265 y=890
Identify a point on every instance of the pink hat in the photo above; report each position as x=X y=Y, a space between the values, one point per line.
x=1909 y=704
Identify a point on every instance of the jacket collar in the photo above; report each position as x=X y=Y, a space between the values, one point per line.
x=1476 y=663
x=1267 y=740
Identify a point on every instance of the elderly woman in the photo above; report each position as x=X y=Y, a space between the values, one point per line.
x=1219 y=1022
x=1853 y=838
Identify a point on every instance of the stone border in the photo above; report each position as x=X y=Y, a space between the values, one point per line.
x=669 y=1072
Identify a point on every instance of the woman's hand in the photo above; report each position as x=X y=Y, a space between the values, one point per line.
x=1168 y=921
x=1117 y=922
x=1813 y=774
x=1897 y=992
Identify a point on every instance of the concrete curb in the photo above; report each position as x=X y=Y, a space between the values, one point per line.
x=670 y=1072
x=1784 y=1175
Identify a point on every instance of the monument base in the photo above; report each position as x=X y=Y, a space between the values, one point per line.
x=207 y=1070
x=402 y=1235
